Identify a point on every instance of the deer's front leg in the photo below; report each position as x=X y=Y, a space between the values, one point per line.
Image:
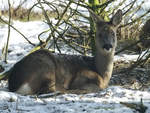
x=67 y=82
x=101 y=81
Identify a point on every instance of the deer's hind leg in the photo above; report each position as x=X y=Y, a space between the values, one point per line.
x=49 y=83
x=67 y=82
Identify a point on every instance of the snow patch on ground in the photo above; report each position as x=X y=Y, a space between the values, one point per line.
x=18 y=46
x=107 y=101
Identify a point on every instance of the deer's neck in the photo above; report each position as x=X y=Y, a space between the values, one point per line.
x=104 y=63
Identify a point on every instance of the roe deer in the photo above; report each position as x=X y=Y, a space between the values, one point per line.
x=42 y=72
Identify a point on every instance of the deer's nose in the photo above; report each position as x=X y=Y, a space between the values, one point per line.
x=107 y=46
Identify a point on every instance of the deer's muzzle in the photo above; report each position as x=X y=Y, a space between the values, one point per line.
x=107 y=47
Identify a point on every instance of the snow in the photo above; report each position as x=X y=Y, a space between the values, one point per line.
x=106 y=101
x=30 y=29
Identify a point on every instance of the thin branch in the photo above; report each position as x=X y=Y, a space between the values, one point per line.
x=132 y=4
x=61 y=17
x=17 y=31
x=140 y=61
x=135 y=20
x=52 y=6
x=62 y=37
x=20 y=4
x=6 y=49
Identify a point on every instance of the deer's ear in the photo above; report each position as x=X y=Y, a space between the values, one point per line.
x=116 y=19
x=94 y=16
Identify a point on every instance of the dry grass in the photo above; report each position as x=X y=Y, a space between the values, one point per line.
x=22 y=14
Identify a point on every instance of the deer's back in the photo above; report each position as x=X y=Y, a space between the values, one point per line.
x=74 y=63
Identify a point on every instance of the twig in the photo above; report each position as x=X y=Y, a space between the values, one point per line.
x=45 y=2
x=139 y=62
x=140 y=107
x=61 y=17
x=135 y=20
x=6 y=49
x=47 y=95
x=61 y=35
x=20 y=4
x=17 y=31
x=132 y=4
